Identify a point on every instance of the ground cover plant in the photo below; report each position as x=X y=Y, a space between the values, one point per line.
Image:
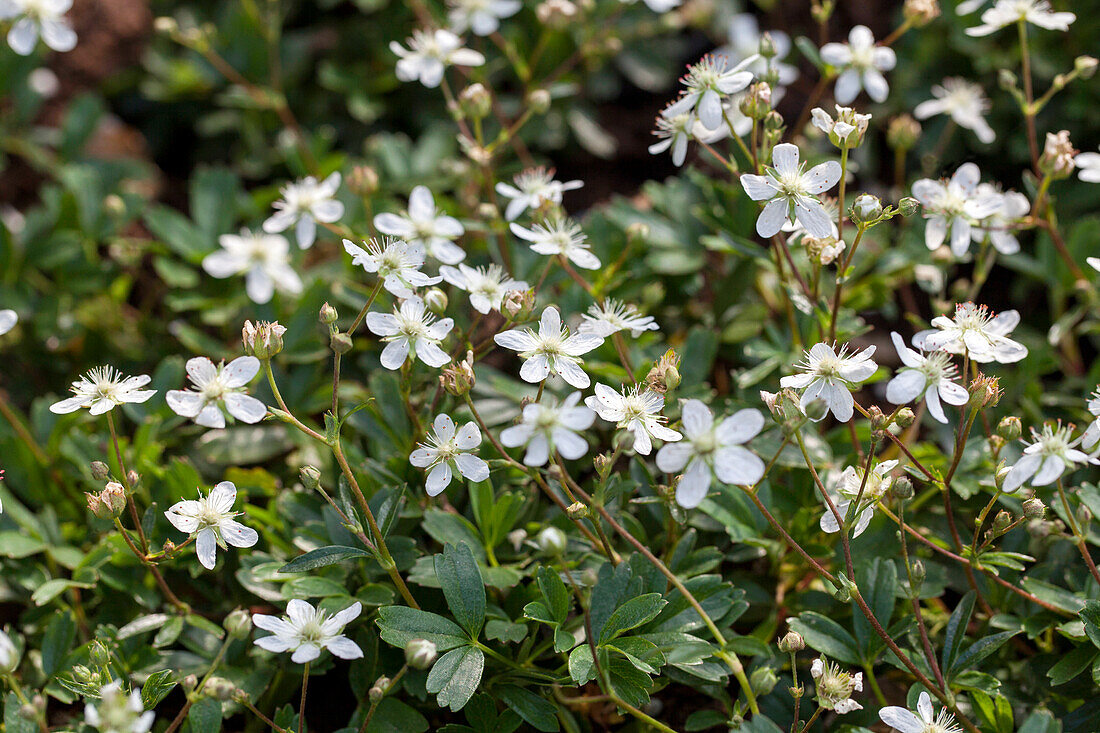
x=499 y=365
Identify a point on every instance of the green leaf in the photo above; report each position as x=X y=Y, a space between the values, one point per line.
x=57 y=641
x=156 y=688
x=322 y=557
x=956 y=630
x=506 y=631
x=826 y=636
x=398 y=625
x=455 y=676
x=53 y=588
x=555 y=593
x=169 y=632
x=394 y=716
x=178 y=232
x=631 y=615
x=13 y=721
x=461 y=582
x=536 y=710
x=878 y=580
x=994 y=712
x=17 y=545
x=143 y=624
x=1090 y=617
x=1072 y=664
x=981 y=649
x=205 y=716
x=581 y=667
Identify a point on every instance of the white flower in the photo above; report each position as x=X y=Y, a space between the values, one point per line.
x=211 y=520
x=862 y=64
x=905 y=721
x=410 y=326
x=1088 y=167
x=487 y=286
x=481 y=16
x=707 y=82
x=395 y=261
x=448 y=451
x=1013 y=207
x=964 y=101
x=1046 y=458
x=546 y=427
x=306 y=631
x=969 y=6
x=795 y=231
x=1009 y=12
x=101 y=389
x=9 y=655
x=118 y=712
x=611 y=316
x=425 y=225
x=676 y=130
x=637 y=412
x=791 y=193
x=1092 y=433
x=304 y=203
x=847 y=130
x=744 y=41
x=559 y=236
x=975 y=332
x=553 y=350
x=712 y=449
x=43 y=18
x=657 y=6
x=929 y=375
x=846 y=488
x=218 y=388
x=263 y=258
x=830 y=376
x=533 y=188
x=834 y=687
x=429 y=54
x=8 y=319
x=956 y=205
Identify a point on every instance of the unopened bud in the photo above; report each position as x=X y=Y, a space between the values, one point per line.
x=878 y=420
x=166 y=25
x=133 y=477
x=665 y=374
x=1009 y=428
x=238 y=623
x=817 y=409
x=637 y=231
x=773 y=121
x=601 y=463
x=100 y=471
x=556 y=14
x=263 y=339
x=1085 y=66
x=363 y=181
x=577 y=511
x=918 y=572
x=757 y=102
x=1007 y=80
x=220 y=688
x=436 y=300
x=516 y=538
x=792 y=642
x=903 y=132
x=552 y=541
x=1000 y=475
x=378 y=689
x=921 y=12
x=420 y=653
x=340 y=342
x=1084 y=517
x=1034 y=508
x=902 y=488
x=27 y=712
x=328 y=315
x=310 y=477
x=866 y=209
x=763 y=680
x=519 y=304
x=476 y=101
x=904 y=417
x=908 y=206
x=1057 y=160
x=98 y=654
x=1001 y=521
x=539 y=100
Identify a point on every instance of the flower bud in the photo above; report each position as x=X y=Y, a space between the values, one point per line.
x=1009 y=428
x=792 y=642
x=908 y=206
x=902 y=488
x=816 y=409
x=904 y=418
x=378 y=689
x=577 y=511
x=539 y=100
x=238 y=623
x=363 y=181
x=436 y=300
x=516 y=538
x=556 y=14
x=9 y=655
x=917 y=573
x=921 y=12
x=98 y=654
x=903 y=132
x=1034 y=508
x=866 y=209
x=1001 y=521
x=28 y=712
x=601 y=463
x=552 y=541
x=878 y=420
x=475 y=100
x=328 y=314
x=519 y=304
x=1007 y=80
x=1084 y=517
x=262 y=340
x=310 y=477
x=133 y=477
x=220 y=688
x=340 y=342
x=1058 y=154
x=166 y=25
x=665 y=374
x=763 y=680
x=459 y=379
x=420 y=653
x=773 y=121
x=100 y=471
x=637 y=231
x=825 y=250
x=757 y=102
x=1085 y=66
